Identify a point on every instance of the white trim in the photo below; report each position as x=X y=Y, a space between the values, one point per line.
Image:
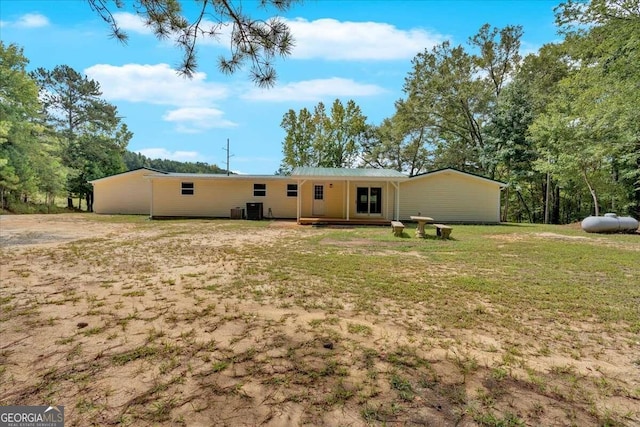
x=466 y=174
x=221 y=177
x=396 y=213
x=139 y=170
x=151 y=200
x=386 y=200
x=348 y=184
x=299 y=199
x=353 y=178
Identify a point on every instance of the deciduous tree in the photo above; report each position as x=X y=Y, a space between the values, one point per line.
x=401 y=142
x=323 y=140
x=453 y=93
x=591 y=128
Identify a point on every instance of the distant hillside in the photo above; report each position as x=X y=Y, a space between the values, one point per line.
x=135 y=161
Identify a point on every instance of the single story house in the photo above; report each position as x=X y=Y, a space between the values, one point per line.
x=309 y=194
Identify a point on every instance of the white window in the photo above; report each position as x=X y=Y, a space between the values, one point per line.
x=187 y=189
x=259 y=190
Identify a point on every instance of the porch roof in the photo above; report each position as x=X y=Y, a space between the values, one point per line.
x=346 y=173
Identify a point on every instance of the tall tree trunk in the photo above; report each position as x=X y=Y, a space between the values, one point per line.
x=592 y=191
x=526 y=207
x=505 y=211
x=547 y=192
x=555 y=213
x=69 y=201
x=89 y=201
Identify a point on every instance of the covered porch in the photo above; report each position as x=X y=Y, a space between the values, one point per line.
x=342 y=221
x=347 y=196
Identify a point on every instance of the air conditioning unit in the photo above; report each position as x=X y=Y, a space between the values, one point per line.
x=254 y=211
x=237 y=213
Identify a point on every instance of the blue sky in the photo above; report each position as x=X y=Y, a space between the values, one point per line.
x=345 y=49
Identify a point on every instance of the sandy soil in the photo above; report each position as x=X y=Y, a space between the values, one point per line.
x=149 y=324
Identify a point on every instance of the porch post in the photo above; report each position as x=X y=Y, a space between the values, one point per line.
x=299 y=200
x=397 y=212
x=151 y=199
x=386 y=201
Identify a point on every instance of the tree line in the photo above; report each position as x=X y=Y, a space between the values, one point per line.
x=57 y=134
x=136 y=161
x=561 y=127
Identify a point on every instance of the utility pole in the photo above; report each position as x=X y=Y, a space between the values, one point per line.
x=228 y=155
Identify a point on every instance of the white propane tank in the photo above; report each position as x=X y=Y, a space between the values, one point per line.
x=610 y=223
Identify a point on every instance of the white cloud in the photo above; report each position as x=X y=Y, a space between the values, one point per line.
x=131 y=22
x=335 y=40
x=326 y=38
x=155 y=84
x=197 y=119
x=160 y=85
x=32 y=20
x=28 y=20
x=163 y=153
x=314 y=90
x=527 y=48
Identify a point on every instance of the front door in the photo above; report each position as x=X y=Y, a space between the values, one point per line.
x=318 y=200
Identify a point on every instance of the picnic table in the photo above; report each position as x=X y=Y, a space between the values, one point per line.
x=421 y=220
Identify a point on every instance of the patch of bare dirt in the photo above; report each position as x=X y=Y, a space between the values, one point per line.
x=166 y=323
x=34 y=230
x=547 y=235
x=592 y=240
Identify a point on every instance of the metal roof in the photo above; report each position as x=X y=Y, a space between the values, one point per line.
x=196 y=175
x=347 y=173
x=222 y=176
x=144 y=168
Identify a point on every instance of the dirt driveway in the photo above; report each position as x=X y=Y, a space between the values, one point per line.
x=33 y=230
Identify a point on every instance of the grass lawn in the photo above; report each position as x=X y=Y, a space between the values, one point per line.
x=127 y=321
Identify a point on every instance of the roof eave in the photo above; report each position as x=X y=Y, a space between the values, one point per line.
x=153 y=171
x=219 y=177
x=350 y=178
x=444 y=170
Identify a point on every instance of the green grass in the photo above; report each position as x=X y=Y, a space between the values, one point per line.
x=135 y=354
x=349 y=320
x=548 y=275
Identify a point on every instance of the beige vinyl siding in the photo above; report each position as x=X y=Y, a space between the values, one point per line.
x=128 y=193
x=334 y=197
x=451 y=196
x=216 y=197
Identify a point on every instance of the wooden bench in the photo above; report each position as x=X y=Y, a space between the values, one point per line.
x=443 y=231
x=397 y=228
